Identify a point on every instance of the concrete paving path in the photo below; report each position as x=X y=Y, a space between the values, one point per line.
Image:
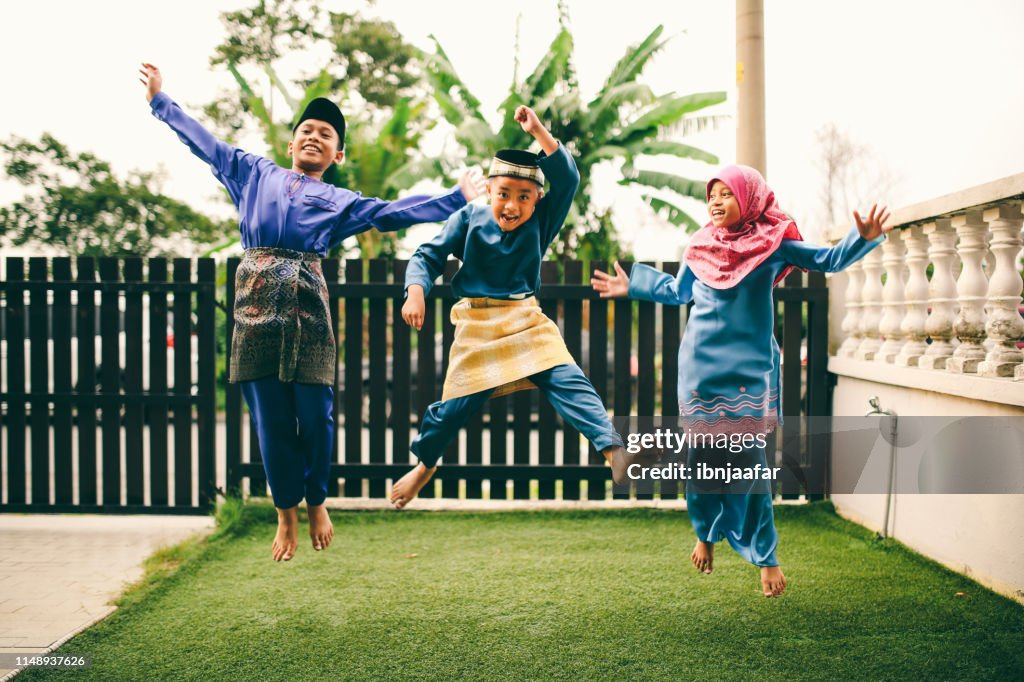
x=59 y=574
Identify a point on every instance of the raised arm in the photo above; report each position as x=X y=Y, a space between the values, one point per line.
x=230 y=165
x=867 y=233
x=560 y=171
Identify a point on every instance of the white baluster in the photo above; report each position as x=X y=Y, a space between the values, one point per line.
x=1018 y=374
x=893 y=252
x=941 y=294
x=871 y=313
x=1004 y=324
x=915 y=299
x=854 y=305
x=971 y=289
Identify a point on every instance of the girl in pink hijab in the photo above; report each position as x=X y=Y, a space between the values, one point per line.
x=728 y=358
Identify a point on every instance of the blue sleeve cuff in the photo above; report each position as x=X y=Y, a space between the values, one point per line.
x=160 y=103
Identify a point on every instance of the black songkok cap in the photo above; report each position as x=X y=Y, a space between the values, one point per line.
x=323 y=109
x=516 y=163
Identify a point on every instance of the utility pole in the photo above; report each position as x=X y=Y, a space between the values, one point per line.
x=750 y=136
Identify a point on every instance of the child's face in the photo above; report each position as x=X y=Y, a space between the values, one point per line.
x=314 y=146
x=723 y=207
x=513 y=201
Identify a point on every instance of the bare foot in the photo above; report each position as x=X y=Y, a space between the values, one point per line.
x=773 y=582
x=408 y=487
x=620 y=461
x=287 y=539
x=703 y=556
x=321 y=530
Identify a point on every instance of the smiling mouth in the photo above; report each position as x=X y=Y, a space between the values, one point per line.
x=509 y=219
x=310 y=148
x=718 y=213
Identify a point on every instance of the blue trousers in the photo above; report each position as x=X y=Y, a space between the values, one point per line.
x=295 y=427
x=565 y=386
x=740 y=512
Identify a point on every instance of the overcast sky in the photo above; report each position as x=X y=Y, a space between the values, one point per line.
x=934 y=88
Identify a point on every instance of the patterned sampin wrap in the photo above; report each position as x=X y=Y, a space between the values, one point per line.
x=282 y=323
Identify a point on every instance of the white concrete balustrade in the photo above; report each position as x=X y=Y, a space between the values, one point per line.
x=942 y=293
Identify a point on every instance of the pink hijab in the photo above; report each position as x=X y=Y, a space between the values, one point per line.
x=722 y=257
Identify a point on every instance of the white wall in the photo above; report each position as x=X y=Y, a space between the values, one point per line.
x=979 y=535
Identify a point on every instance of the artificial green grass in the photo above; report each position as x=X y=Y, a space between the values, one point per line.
x=550 y=595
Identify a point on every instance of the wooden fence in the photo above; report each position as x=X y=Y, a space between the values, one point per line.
x=100 y=407
x=113 y=416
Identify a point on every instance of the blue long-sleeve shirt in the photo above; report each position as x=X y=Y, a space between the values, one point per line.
x=284 y=209
x=495 y=263
x=728 y=358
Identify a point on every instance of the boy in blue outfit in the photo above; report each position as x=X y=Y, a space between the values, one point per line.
x=283 y=350
x=503 y=342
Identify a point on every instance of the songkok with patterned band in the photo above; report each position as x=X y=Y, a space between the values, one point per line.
x=516 y=163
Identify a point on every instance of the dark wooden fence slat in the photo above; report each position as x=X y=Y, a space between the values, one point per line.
x=598 y=371
x=207 y=407
x=622 y=397
x=474 y=452
x=85 y=382
x=133 y=410
x=497 y=410
x=646 y=378
x=546 y=413
x=818 y=446
x=401 y=375
x=670 y=338
x=157 y=413
x=182 y=386
x=62 y=421
x=110 y=380
x=353 y=378
x=521 y=431
x=792 y=324
x=39 y=375
x=378 y=350
x=573 y=316
x=428 y=388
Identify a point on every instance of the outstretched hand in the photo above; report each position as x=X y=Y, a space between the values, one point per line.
x=608 y=286
x=472 y=183
x=874 y=225
x=152 y=79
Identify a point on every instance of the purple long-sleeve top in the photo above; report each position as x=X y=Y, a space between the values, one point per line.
x=284 y=209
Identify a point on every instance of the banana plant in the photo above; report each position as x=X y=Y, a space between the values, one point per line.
x=625 y=123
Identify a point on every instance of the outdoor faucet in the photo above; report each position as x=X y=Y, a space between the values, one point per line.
x=876 y=410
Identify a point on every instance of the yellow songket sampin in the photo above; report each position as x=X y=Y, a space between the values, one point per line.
x=498 y=344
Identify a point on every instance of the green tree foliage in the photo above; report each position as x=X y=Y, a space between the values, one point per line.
x=75 y=202
x=624 y=123
x=370 y=70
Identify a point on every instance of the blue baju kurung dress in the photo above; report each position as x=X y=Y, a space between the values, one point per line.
x=729 y=376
